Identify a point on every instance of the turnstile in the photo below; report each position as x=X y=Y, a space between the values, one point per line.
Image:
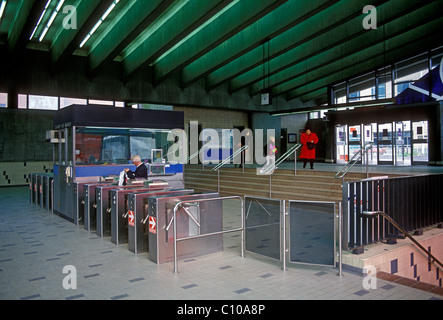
x=119 y=206
x=46 y=191
x=103 y=202
x=90 y=212
x=206 y=217
x=33 y=188
x=138 y=223
x=78 y=194
x=40 y=190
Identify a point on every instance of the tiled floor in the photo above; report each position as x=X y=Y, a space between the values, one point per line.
x=36 y=245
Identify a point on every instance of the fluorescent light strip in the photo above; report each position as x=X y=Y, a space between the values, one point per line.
x=155 y=26
x=2 y=8
x=207 y=22
x=40 y=19
x=107 y=12
x=51 y=20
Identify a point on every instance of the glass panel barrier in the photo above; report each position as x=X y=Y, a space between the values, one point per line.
x=262 y=224
x=312 y=232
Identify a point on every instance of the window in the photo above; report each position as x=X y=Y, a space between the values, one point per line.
x=43 y=102
x=436 y=57
x=102 y=102
x=105 y=146
x=362 y=88
x=155 y=107
x=3 y=100
x=390 y=81
x=408 y=71
x=339 y=93
x=66 y=102
x=22 y=101
x=314 y=115
x=384 y=79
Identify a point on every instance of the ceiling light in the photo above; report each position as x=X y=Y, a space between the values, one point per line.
x=51 y=20
x=107 y=12
x=2 y=8
x=40 y=19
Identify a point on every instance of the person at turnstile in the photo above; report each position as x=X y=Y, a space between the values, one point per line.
x=140 y=172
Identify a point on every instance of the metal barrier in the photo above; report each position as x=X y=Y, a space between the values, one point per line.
x=413 y=202
x=196 y=202
x=313 y=229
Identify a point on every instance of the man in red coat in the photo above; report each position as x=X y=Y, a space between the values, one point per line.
x=308 y=140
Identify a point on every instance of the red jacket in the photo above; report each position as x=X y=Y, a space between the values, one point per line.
x=305 y=152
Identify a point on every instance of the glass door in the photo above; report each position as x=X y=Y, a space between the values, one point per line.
x=403 y=143
x=420 y=150
x=341 y=144
x=385 y=147
x=354 y=140
x=370 y=135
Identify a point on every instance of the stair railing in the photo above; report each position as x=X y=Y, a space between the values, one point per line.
x=357 y=156
x=273 y=166
x=376 y=213
x=228 y=159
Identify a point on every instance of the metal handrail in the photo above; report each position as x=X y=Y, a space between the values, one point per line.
x=357 y=156
x=174 y=218
x=196 y=153
x=228 y=159
x=283 y=158
x=375 y=213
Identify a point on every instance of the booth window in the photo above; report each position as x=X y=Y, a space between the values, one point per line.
x=106 y=146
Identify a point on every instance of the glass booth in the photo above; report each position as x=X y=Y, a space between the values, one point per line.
x=94 y=144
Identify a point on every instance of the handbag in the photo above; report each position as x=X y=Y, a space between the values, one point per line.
x=311 y=145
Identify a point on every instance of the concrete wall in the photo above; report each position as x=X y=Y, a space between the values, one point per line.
x=23 y=149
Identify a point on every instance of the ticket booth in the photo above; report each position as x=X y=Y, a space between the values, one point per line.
x=93 y=144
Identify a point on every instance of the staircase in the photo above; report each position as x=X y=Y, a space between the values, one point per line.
x=309 y=185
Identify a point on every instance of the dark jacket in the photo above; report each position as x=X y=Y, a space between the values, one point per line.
x=140 y=172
